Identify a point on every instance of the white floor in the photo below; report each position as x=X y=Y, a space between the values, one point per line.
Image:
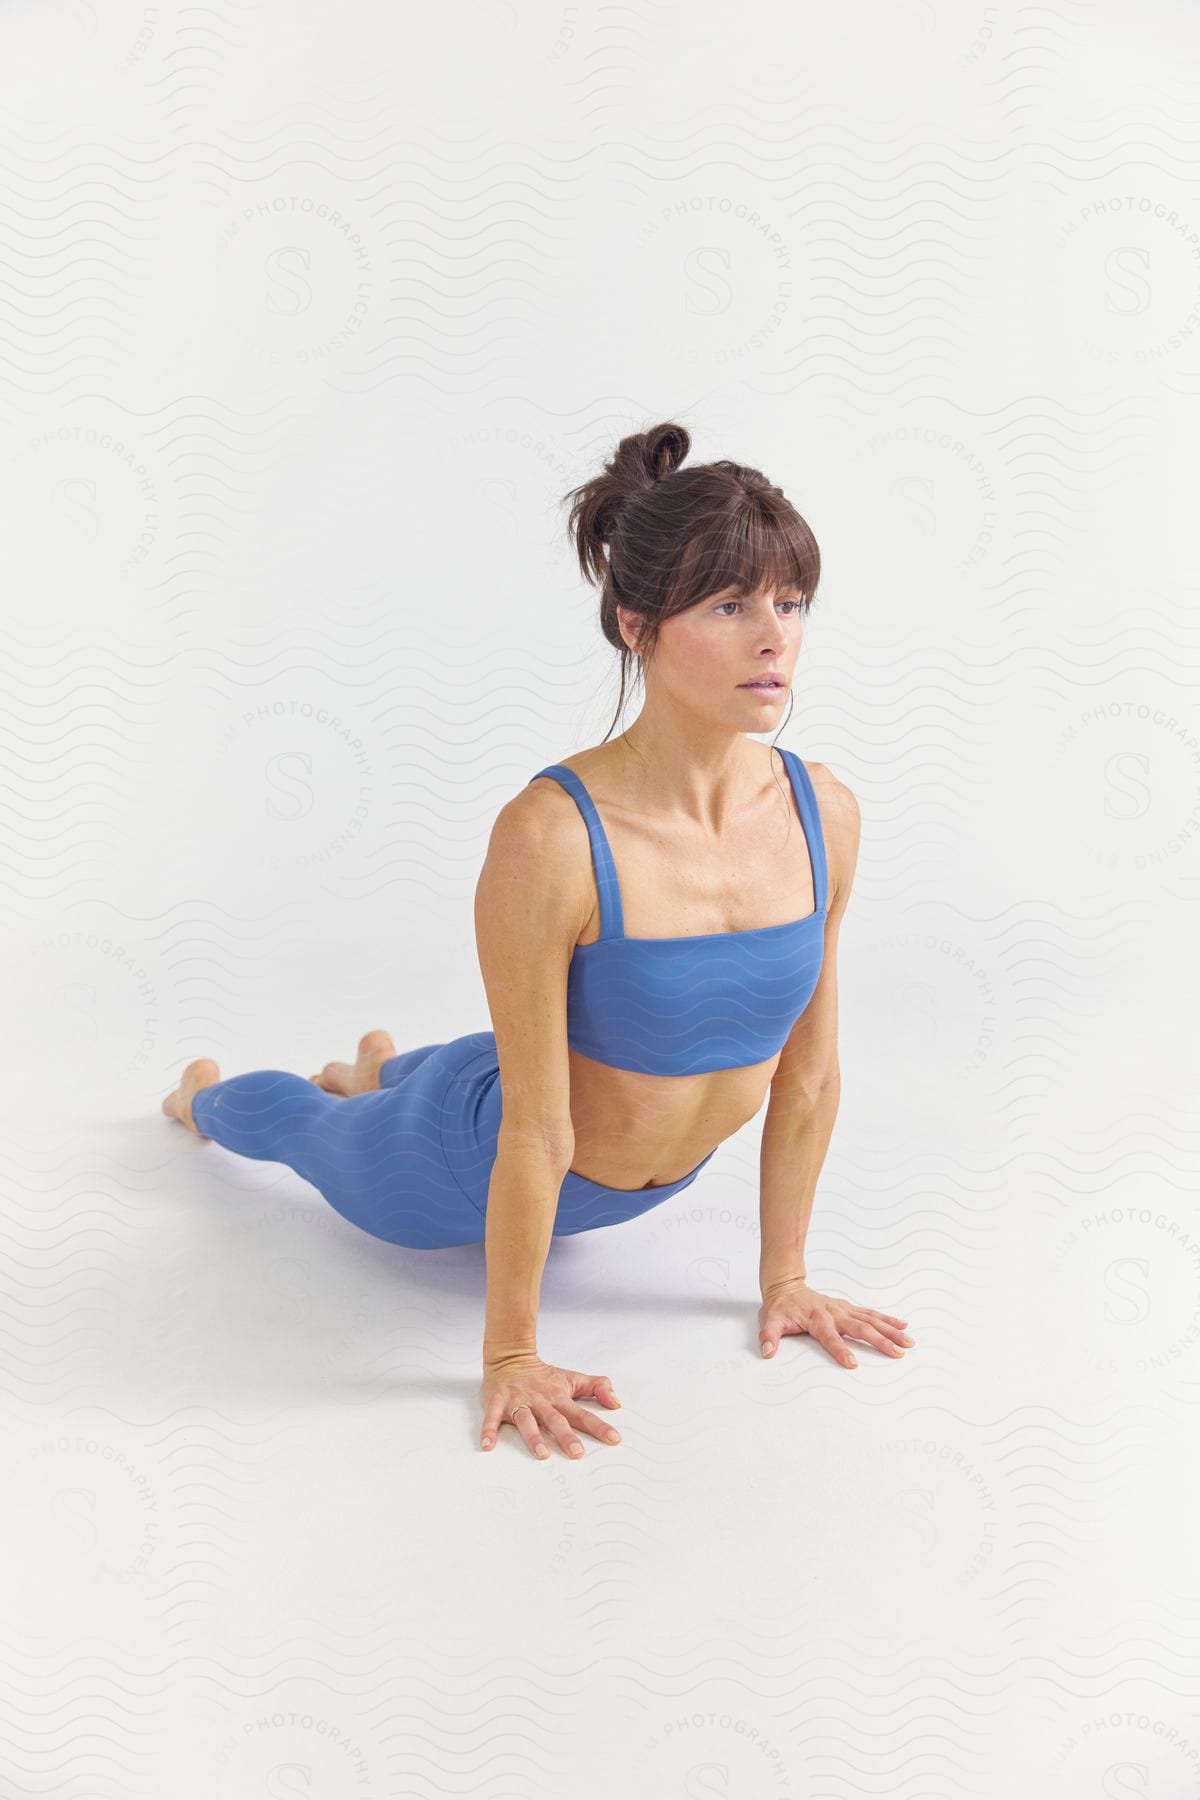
x=255 y=1549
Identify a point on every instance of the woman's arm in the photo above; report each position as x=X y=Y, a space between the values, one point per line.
x=531 y=903
x=522 y=1198
x=800 y=1116
x=806 y=1086
x=792 y=1154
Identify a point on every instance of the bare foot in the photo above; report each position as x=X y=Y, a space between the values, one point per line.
x=362 y=1076
x=178 y=1104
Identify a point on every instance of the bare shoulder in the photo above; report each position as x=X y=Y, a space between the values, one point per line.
x=837 y=801
x=539 y=841
x=841 y=827
x=542 y=814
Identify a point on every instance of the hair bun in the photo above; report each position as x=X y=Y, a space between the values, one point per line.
x=646 y=457
x=661 y=449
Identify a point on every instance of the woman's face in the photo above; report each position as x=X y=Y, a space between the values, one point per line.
x=707 y=656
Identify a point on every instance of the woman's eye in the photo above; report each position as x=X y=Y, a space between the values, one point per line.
x=794 y=604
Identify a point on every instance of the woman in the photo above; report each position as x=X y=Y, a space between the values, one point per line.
x=638 y=1019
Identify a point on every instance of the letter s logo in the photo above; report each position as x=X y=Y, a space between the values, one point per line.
x=77 y=501
x=720 y=291
x=291 y=296
x=287 y=766
x=1138 y=300
x=1136 y=1302
x=74 y=1508
x=707 y=1781
x=1137 y=794
x=288 y=1779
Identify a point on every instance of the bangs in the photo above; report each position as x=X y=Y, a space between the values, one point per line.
x=761 y=544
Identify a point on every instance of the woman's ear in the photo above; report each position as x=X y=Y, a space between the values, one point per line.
x=630 y=626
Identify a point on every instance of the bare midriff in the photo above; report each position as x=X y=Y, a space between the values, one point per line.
x=642 y=1131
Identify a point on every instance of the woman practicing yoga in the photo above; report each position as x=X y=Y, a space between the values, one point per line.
x=638 y=1018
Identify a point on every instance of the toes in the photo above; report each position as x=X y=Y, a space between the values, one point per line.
x=337 y=1079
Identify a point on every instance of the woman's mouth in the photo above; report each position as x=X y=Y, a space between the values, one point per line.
x=773 y=689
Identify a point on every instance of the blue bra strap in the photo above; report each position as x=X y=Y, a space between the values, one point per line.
x=608 y=889
x=810 y=818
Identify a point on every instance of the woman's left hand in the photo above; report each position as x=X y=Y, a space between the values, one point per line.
x=793 y=1308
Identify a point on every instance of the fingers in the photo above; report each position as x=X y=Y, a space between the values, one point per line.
x=822 y=1327
x=829 y=1324
x=867 y=1334
x=535 y=1420
x=562 y=1424
x=526 y=1422
x=491 y=1423
x=776 y=1325
x=583 y=1419
x=831 y=1336
x=883 y=1322
x=561 y=1430
x=595 y=1387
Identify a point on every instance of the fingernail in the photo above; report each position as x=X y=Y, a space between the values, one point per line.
x=542 y=1452
x=576 y=1450
x=614 y=1437
x=487 y=1443
x=766 y=1349
x=853 y=1363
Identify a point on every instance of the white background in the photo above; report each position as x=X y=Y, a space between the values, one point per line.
x=309 y=316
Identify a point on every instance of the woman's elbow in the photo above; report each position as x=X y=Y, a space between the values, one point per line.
x=550 y=1140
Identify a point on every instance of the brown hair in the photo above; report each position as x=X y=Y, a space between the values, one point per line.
x=657 y=538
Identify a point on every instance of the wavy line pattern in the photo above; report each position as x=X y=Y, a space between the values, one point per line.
x=308 y=320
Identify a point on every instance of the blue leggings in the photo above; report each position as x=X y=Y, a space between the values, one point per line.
x=410 y=1163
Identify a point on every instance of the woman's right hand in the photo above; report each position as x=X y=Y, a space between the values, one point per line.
x=545 y=1399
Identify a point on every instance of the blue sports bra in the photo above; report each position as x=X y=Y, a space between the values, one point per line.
x=689 y=1005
